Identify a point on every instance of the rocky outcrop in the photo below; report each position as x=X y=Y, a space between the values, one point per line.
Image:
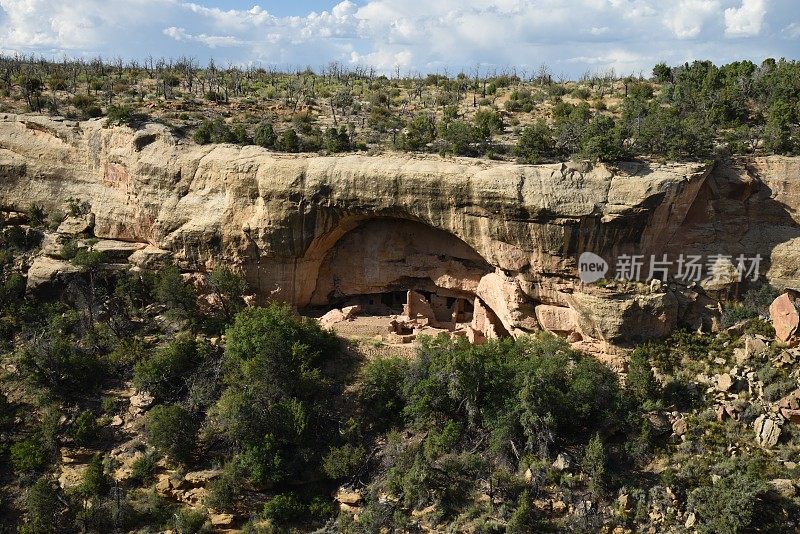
x=312 y=230
x=784 y=315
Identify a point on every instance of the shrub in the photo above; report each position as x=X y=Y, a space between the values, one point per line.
x=289 y=141
x=127 y=352
x=55 y=362
x=419 y=133
x=284 y=508
x=779 y=389
x=640 y=380
x=123 y=115
x=321 y=508
x=524 y=517
x=265 y=135
x=191 y=522
x=594 y=464
x=143 y=469
x=381 y=396
x=28 y=455
x=42 y=506
x=224 y=490
x=164 y=374
x=94 y=482
x=172 y=431
x=170 y=289
x=732 y=504
x=36 y=215
x=487 y=123
x=535 y=143
x=344 y=461
x=84 y=429
x=458 y=137
x=215 y=131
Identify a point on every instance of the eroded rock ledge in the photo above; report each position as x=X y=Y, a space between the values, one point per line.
x=314 y=230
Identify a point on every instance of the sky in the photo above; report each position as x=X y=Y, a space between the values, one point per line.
x=571 y=37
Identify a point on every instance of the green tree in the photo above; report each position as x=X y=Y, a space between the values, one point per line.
x=276 y=394
x=54 y=361
x=164 y=374
x=458 y=137
x=265 y=135
x=84 y=429
x=214 y=131
x=289 y=141
x=43 y=507
x=535 y=143
x=601 y=140
x=170 y=289
x=229 y=288
x=94 y=482
x=419 y=133
x=91 y=262
x=777 y=133
x=172 y=431
x=29 y=455
x=594 y=464
x=640 y=380
x=381 y=397
x=284 y=508
x=487 y=123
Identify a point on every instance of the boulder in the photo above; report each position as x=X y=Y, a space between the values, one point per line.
x=150 y=257
x=680 y=426
x=754 y=347
x=53 y=244
x=350 y=312
x=48 y=274
x=71 y=475
x=331 y=318
x=784 y=316
x=201 y=478
x=562 y=462
x=789 y=407
x=725 y=382
x=221 y=520
x=75 y=225
x=616 y=318
x=791 y=401
x=114 y=250
x=768 y=431
x=164 y=484
x=140 y=402
x=350 y=497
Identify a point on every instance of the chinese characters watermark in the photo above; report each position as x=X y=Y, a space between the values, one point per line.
x=686 y=267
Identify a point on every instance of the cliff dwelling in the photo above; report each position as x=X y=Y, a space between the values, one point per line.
x=397 y=278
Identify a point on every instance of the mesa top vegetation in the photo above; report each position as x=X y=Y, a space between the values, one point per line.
x=695 y=110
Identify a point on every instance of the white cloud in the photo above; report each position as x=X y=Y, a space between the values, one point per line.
x=792 y=31
x=686 y=18
x=211 y=41
x=747 y=20
x=426 y=35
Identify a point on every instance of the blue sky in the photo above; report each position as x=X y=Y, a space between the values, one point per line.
x=570 y=36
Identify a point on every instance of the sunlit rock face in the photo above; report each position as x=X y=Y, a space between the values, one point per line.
x=311 y=229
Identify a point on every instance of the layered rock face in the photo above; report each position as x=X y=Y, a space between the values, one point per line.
x=310 y=229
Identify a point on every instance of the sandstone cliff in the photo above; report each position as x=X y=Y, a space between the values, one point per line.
x=308 y=228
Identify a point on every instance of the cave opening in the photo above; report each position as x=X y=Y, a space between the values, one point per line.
x=420 y=278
